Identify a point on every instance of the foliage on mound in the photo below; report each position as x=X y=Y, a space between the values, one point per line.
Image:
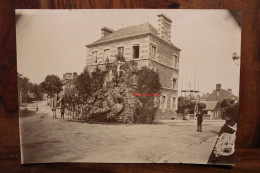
x=105 y=95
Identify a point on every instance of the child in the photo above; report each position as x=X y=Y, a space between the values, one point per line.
x=62 y=111
x=54 y=113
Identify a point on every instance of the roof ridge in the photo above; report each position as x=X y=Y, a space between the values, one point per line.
x=127 y=32
x=133 y=26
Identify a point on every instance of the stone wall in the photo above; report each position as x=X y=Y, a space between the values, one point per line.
x=166 y=74
x=166 y=110
x=165 y=52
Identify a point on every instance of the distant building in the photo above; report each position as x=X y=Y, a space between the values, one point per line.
x=211 y=109
x=67 y=82
x=147 y=46
x=213 y=100
x=220 y=94
x=67 y=77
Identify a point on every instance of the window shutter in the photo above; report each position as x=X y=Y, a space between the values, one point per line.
x=171 y=103
x=161 y=106
x=165 y=103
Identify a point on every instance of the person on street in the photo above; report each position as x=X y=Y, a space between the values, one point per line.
x=199 y=116
x=54 y=113
x=62 y=111
x=224 y=149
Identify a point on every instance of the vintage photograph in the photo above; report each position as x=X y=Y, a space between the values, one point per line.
x=128 y=86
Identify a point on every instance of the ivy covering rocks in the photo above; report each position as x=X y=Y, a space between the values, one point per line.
x=110 y=94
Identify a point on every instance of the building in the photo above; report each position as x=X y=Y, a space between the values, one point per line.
x=213 y=99
x=67 y=77
x=67 y=82
x=147 y=46
x=211 y=109
x=220 y=94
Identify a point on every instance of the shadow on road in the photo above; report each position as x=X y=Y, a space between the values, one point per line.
x=27 y=113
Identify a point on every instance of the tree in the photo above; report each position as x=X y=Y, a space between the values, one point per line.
x=83 y=85
x=23 y=88
x=148 y=83
x=37 y=90
x=187 y=103
x=97 y=78
x=82 y=89
x=52 y=85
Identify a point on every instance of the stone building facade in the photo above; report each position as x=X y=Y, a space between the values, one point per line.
x=148 y=47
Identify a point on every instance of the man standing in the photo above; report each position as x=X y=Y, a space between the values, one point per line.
x=199 y=116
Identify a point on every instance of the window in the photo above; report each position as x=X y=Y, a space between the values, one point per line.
x=120 y=51
x=174 y=81
x=136 y=49
x=94 y=57
x=153 y=52
x=176 y=61
x=163 y=103
x=106 y=55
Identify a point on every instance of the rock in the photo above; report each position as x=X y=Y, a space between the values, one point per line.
x=116 y=108
x=106 y=104
x=102 y=110
x=94 y=110
x=91 y=100
x=98 y=103
x=106 y=94
x=100 y=97
x=129 y=95
x=110 y=101
x=131 y=101
x=111 y=115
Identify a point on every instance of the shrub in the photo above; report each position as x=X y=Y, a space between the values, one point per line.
x=148 y=82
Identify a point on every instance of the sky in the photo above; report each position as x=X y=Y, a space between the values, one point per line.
x=53 y=42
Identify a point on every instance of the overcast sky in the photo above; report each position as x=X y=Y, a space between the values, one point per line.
x=53 y=42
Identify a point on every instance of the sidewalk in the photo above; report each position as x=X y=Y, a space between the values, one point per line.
x=192 y=121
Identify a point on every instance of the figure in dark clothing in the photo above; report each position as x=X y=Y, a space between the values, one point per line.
x=224 y=149
x=62 y=111
x=199 y=116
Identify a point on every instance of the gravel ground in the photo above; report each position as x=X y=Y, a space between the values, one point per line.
x=54 y=140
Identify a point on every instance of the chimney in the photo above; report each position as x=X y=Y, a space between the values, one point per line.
x=218 y=87
x=229 y=90
x=164 y=28
x=105 y=31
x=75 y=74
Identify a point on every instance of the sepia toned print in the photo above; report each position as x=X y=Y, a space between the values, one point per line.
x=128 y=86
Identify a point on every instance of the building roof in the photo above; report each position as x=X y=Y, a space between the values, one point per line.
x=224 y=94
x=166 y=17
x=128 y=32
x=210 y=105
x=108 y=29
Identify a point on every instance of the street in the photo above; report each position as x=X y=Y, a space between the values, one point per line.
x=56 y=140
